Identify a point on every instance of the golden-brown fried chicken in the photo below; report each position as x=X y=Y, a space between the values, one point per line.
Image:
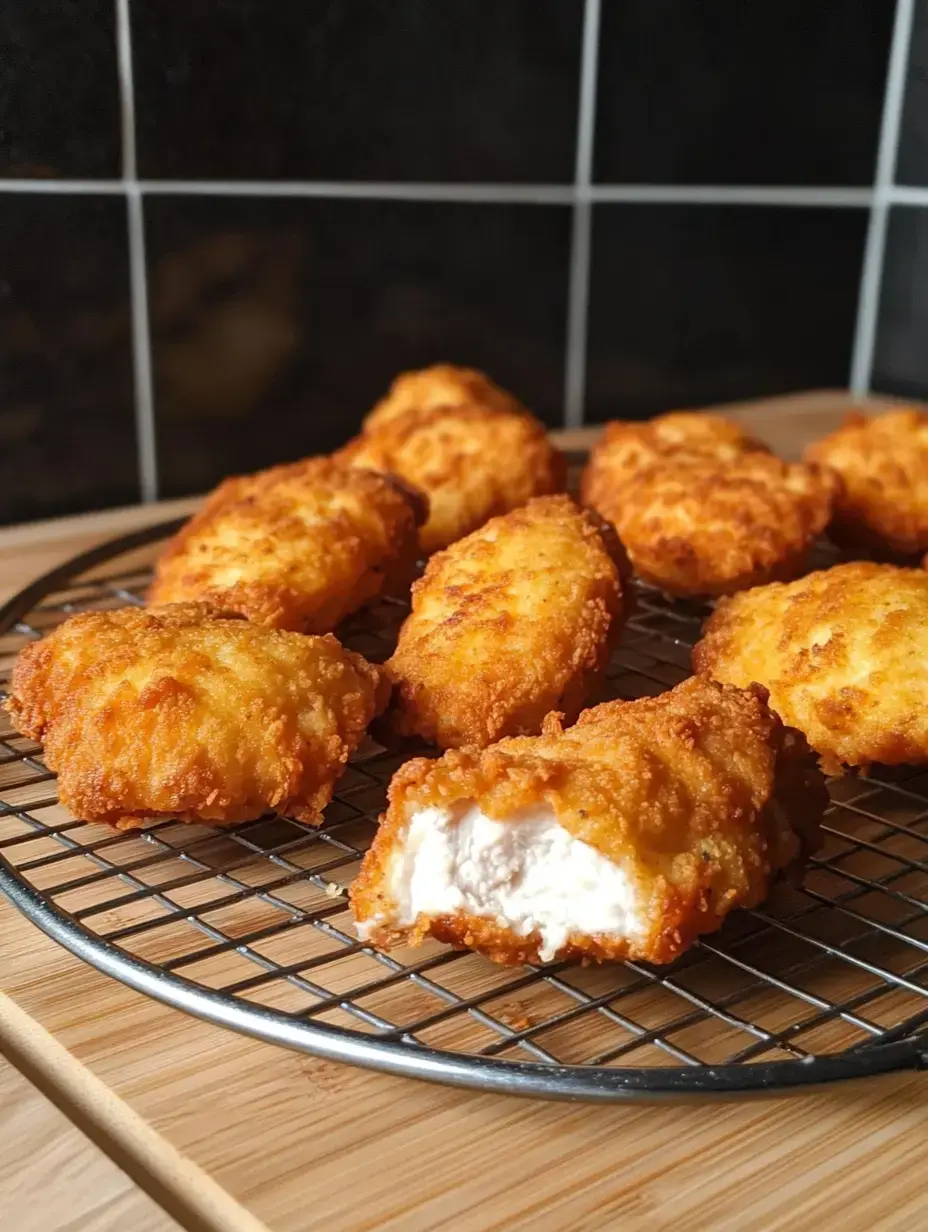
x=625 y=836
x=297 y=547
x=627 y=448
x=508 y=624
x=472 y=462
x=883 y=464
x=700 y=526
x=844 y=653
x=442 y=385
x=189 y=712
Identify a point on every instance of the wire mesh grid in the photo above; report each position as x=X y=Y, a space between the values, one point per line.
x=250 y=925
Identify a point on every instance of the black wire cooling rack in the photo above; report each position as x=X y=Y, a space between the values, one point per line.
x=249 y=927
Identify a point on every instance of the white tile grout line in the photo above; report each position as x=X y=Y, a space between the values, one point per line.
x=731 y=194
x=529 y=194
x=138 y=277
x=908 y=196
x=578 y=290
x=141 y=348
x=500 y=194
x=871 y=278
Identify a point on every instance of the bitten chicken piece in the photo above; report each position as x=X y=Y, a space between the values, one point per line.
x=625 y=836
x=189 y=712
x=883 y=464
x=472 y=460
x=697 y=525
x=299 y=547
x=508 y=624
x=441 y=385
x=844 y=653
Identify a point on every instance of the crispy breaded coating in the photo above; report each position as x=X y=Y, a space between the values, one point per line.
x=844 y=653
x=189 y=712
x=626 y=448
x=883 y=464
x=508 y=624
x=299 y=546
x=441 y=385
x=655 y=818
x=700 y=526
x=472 y=463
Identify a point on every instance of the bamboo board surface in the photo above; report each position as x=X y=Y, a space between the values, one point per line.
x=305 y=1144
x=52 y=1176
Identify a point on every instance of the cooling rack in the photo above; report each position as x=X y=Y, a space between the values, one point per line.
x=249 y=927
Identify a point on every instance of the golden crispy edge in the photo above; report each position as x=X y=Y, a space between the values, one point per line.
x=716 y=649
x=691 y=564
x=878 y=518
x=473 y=388
x=284 y=607
x=606 y=468
x=531 y=467
x=27 y=681
x=426 y=708
x=33 y=711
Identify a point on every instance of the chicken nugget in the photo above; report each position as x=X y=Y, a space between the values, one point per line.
x=297 y=547
x=193 y=713
x=442 y=385
x=623 y=837
x=472 y=462
x=883 y=464
x=508 y=624
x=698 y=526
x=627 y=448
x=844 y=653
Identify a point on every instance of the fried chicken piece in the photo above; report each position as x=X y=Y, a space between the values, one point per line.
x=472 y=462
x=623 y=837
x=508 y=624
x=627 y=448
x=700 y=526
x=844 y=653
x=883 y=464
x=190 y=712
x=442 y=385
x=701 y=507
x=299 y=546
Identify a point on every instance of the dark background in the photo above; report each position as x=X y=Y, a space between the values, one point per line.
x=332 y=192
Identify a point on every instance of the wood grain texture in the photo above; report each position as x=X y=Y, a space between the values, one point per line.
x=179 y=1186
x=306 y=1144
x=53 y=1179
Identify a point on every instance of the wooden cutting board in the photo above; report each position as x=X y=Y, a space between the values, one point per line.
x=227 y=1133
x=45 y=1155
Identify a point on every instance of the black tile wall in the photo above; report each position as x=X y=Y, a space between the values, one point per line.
x=358 y=89
x=912 y=161
x=278 y=315
x=59 y=97
x=692 y=304
x=900 y=362
x=67 y=436
x=724 y=92
x=277 y=323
